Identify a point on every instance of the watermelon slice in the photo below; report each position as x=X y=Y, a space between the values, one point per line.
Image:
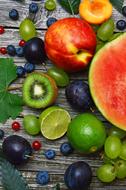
x=107 y=80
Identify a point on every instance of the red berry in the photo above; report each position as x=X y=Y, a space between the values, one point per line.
x=36 y=145
x=2 y=30
x=3 y=50
x=16 y=126
x=22 y=43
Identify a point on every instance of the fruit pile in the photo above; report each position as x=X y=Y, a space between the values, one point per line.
x=70 y=44
x=114 y=156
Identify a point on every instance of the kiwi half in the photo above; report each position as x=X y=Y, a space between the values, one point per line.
x=39 y=90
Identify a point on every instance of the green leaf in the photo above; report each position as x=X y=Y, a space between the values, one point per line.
x=71 y=6
x=118 y=4
x=10 y=104
x=11 y=177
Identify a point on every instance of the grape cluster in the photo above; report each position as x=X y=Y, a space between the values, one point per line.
x=114 y=157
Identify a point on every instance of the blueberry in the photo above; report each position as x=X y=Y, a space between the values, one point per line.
x=33 y=8
x=50 y=21
x=1 y=134
x=13 y=14
x=78 y=95
x=50 y=154
x=121 y=24
x=29 y=67
x=20 y=52
x=66 y=149
x=11 y=50
x=124 y=11
x=42 y=177
x=20 y=71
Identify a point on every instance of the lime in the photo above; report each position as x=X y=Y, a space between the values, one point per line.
x=54 y=122
x=86 y=133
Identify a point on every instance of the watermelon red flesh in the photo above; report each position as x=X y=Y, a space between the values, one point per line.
x=107 y=80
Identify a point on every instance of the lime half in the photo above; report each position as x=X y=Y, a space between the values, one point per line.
x=54 y=122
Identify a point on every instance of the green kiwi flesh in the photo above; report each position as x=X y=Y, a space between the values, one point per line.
x=39 y=90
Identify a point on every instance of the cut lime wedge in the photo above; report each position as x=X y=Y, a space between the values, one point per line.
x=54 y=122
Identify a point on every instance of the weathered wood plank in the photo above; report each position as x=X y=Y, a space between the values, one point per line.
x=41 y=17
x=23 y=8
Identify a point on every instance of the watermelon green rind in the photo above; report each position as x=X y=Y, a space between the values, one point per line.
x=113 y=120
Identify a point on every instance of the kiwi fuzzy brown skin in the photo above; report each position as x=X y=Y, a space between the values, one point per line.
x=54 y=88
x=52 y=81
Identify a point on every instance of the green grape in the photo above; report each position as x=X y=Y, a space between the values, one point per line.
x=27 y=29
x=50 y=5
x=106 y=173
x=114 y=36
x=60 y=76
x=123 y=151
x=117 y=132
x=106 y=30
x=31 y=124
x=112 y=147
x=121 y=169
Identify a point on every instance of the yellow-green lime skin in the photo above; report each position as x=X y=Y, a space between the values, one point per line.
x=86 y=133
x=54 y=122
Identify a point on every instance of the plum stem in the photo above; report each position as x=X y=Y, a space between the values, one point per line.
x=92 y=110
x=28 y=156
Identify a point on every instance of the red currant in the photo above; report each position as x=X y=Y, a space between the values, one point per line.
x=16 y=126
x=3 y=50
x=36 y=145
x=2 y=30
x=22 y=43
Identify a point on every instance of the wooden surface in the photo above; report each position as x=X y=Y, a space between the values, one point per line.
x=55 y=167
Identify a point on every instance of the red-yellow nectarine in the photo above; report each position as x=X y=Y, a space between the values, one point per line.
x=70 y=44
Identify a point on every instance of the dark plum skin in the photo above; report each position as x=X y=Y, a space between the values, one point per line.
x=78 y=176
x=16 y=149
x=78 y=95
x=34 y=51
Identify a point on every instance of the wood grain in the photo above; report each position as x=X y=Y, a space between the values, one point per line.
x=55 y=167
x=41 y=17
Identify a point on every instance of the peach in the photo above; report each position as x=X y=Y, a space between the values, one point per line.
x=70 y=44
x=95 y=11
